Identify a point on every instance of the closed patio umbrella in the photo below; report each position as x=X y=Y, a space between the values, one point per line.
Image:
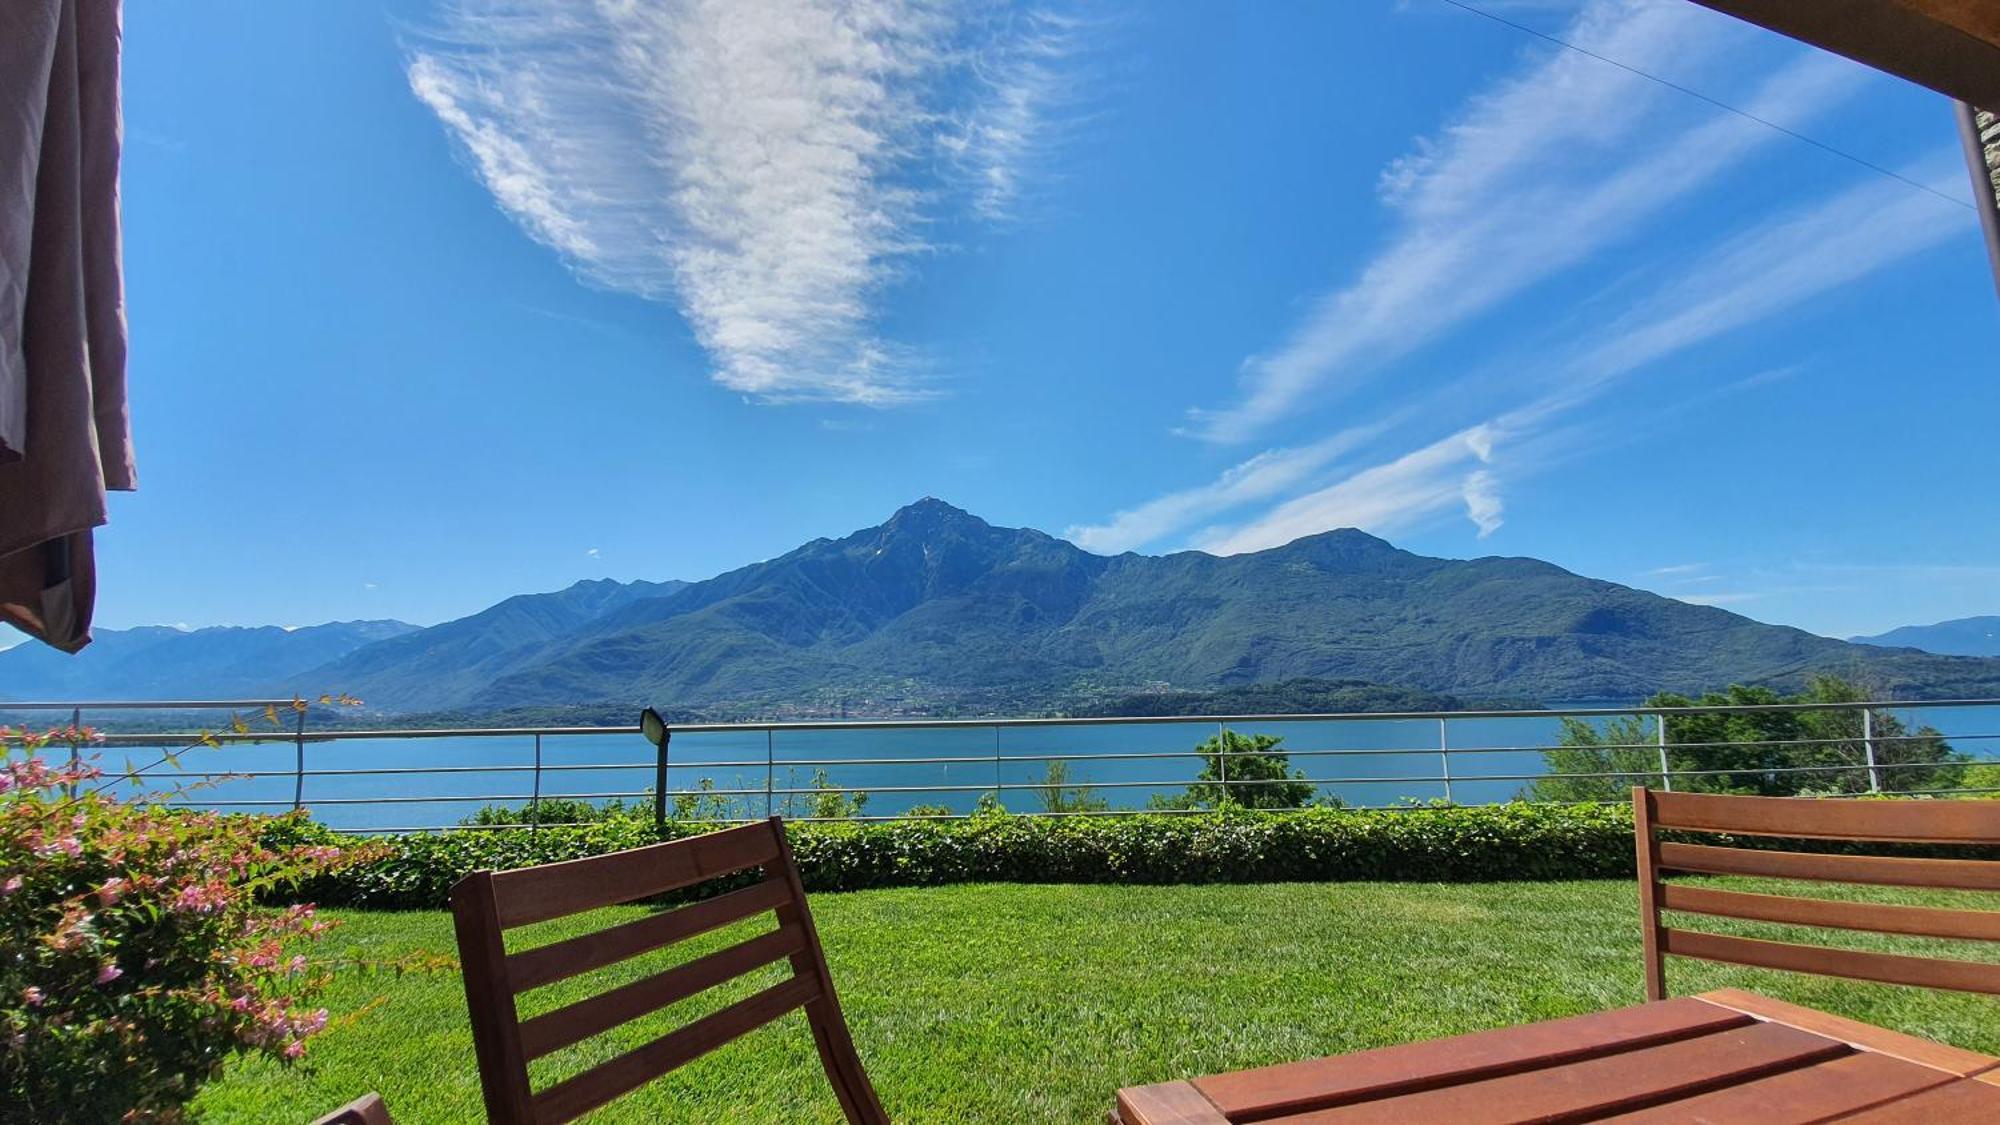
x=65 y=434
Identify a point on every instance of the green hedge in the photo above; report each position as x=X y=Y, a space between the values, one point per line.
x=1431 y=844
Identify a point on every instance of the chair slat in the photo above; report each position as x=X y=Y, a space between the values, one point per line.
x=552 y=1031
x=1913 y=822
x=484 y=904
x=1889 y=968
x=573 y=1097
x=545 y=964
x=1925 y=921
x=537 y=894
x=1961 y=874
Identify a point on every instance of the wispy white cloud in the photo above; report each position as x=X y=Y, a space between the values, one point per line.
x=592 y=552
x=1537 y=175
x=1767 y=270
x=1029 y=93
x=1482 y=501
x=1383 y=498
x=1260 y=478
x=755 y=163
x=1775 y=266
x=1677 y=570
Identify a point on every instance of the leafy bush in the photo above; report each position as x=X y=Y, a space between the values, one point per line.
x=134 y=956
x=1460 y=844
x=550 y=810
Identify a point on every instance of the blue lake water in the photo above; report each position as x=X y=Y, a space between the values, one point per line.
x=1365 y=762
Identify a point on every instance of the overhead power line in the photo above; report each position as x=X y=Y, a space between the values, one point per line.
x=1717 y=103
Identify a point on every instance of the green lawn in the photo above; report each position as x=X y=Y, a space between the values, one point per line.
x=1035 y=1003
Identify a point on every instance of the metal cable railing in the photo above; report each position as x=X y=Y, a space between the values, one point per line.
x=355 y=779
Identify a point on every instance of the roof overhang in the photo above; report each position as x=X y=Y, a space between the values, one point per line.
x=1951 y=46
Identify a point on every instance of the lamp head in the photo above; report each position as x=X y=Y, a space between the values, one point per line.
x=653 y=727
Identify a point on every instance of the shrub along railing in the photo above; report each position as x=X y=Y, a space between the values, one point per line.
x=415 y=780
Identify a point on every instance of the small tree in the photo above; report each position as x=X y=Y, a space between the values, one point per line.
x=1057 y=795
x=1245 y=770
x=1612 y=758
x=1775 y=753
x=826 y=802
x=703 y=803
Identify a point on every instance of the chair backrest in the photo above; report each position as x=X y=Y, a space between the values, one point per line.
x=364 y=1110
x=486 y=904
x=1909 y=822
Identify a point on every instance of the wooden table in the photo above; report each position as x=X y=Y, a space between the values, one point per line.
x=1721 y=1056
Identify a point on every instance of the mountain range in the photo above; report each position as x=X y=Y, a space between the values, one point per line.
x=163 y=662
x=1963 y=636
x=937 y=611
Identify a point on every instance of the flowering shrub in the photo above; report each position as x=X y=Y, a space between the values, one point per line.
x=134 y=955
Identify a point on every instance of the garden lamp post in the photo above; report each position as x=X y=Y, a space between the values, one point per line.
x=655 y=729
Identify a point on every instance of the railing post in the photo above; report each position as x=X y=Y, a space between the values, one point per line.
x=660 y=781
x=535 y=795
x=770 y=769
x=999 y=782
x=1666 y=771
x=299 y=761
x=1868 y=749
x=1444 y=757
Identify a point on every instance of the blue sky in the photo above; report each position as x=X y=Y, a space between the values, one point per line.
x=436 y=303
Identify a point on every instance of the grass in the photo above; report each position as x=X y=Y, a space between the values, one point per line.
x=1035 y=1003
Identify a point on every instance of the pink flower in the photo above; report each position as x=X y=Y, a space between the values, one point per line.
x=204 y=898
x=68 y=845
x=32 y=996
x=294 y=1049
x=110 y=892
x=10 y=886
x=108 y=972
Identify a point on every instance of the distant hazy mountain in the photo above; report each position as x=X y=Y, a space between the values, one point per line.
x=937 y=610
x=448 y=665
x=1964 y=636
x=160 y=662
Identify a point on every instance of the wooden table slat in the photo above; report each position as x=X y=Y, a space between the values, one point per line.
x=1726 y=1055
x=1881 y=1040
x=1271 y=1090
x=1168 y=1103
x=1815 y=1093
x=1597 y=1087
x=1966 y=1100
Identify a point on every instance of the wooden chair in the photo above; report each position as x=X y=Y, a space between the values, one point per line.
x=485 y=904
x=1918 y=822
x=364 y=1110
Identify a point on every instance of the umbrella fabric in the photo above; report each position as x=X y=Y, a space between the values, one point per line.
x=65 y=435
